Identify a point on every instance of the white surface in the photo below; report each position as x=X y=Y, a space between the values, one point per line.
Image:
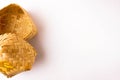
x=78 y=39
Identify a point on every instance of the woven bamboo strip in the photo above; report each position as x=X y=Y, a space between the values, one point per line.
x=16 y=55
x=14 y=19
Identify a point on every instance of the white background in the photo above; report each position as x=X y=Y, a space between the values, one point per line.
x=76 y=40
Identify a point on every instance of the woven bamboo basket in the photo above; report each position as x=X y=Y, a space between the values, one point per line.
x=16 y=55
x=14 y=19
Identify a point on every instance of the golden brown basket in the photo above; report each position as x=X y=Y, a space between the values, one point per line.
x=14 y=19
x=16 y=55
